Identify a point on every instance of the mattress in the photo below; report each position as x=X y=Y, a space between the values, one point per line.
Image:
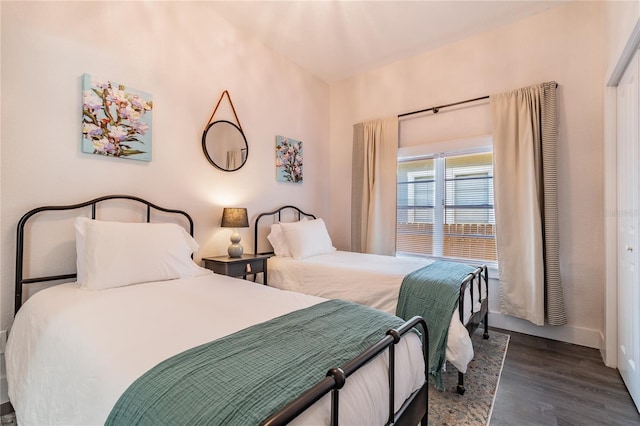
x=370 y=279
x=71 y=353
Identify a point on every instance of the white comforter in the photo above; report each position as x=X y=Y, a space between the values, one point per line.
x=368 y=279
x=71 y=353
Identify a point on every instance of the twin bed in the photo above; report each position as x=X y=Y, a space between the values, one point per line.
x=305 y=261
x=143 y=335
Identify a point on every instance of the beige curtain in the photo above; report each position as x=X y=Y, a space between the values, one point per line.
x=373 y=186
x=526 y=203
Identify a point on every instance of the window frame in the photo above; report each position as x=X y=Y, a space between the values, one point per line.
x=441 y=150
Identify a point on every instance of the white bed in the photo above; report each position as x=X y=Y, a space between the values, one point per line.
x=72 y=353
x=304 y=260
x=74 y=348
x=368 y=279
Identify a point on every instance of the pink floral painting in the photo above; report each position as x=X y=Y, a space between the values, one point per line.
x=288 y=160
x=116 y=120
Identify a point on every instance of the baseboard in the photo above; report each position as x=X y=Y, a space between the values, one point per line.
x=569 y=334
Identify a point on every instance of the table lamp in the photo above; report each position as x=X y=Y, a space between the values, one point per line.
x=235 y=217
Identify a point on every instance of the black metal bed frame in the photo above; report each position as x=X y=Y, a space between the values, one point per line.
x=475 y=279
x=413 y=411
x=299 y=213
x=20 y=281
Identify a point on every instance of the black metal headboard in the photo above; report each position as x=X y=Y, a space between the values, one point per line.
x=276 y=217
x=20 y=280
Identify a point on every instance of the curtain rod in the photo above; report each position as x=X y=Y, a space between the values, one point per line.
x=437 y=108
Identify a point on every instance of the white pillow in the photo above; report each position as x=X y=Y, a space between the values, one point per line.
x=278 y=242
x=307 y=238
x=115 y=254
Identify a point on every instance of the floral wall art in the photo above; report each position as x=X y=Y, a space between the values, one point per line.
x=288 y=160
x=116 y=120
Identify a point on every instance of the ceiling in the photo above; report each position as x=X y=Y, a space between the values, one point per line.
x=335 y=40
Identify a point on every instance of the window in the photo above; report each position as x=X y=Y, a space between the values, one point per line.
x=445 y=206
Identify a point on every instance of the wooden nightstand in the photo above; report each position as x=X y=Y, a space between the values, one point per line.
x=239 y=266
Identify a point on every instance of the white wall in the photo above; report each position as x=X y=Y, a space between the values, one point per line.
x=185 y=56
x=563 y=44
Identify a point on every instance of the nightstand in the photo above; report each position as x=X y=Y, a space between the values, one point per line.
x=239 y=266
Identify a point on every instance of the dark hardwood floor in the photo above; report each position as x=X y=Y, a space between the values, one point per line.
x=546 y=382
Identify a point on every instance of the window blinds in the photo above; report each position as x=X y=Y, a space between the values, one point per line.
x=445 y=207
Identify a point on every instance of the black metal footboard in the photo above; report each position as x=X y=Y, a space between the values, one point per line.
x=474 y=282
x=414 y=409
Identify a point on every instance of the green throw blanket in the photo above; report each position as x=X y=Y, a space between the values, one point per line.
x=243 y=378
x=432 y=293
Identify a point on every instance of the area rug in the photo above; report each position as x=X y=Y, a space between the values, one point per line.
x=481 y=384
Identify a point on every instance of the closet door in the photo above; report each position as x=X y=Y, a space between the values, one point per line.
x=628 y=221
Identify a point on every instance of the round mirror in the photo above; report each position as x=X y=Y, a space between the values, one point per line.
x=225 y=146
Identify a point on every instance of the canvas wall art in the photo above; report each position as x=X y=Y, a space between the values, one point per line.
x=288 y=160
x=116 y=120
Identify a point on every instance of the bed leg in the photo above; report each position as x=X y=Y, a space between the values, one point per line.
x=460 y=388
x=486 y=303
x=485 y=335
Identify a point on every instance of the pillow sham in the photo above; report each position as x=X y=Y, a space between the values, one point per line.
x=307 y=238
x=278 y=242
x=116 y=254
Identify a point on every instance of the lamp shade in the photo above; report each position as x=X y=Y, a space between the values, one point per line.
x=234 y=217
